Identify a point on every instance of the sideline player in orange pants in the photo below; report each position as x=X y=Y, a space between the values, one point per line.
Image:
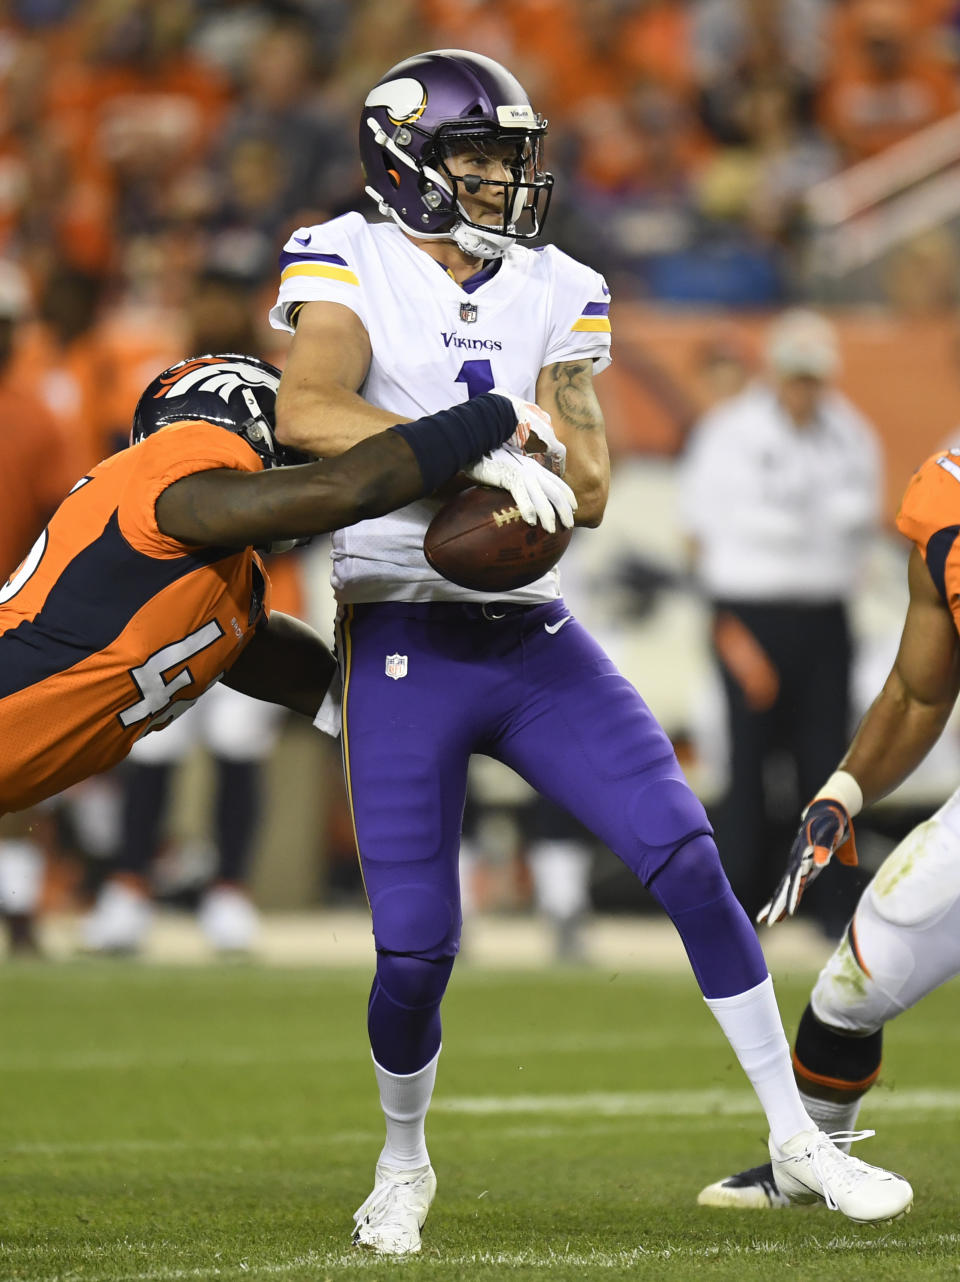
x=145 y=588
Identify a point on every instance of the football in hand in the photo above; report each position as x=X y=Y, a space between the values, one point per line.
x=479 y=540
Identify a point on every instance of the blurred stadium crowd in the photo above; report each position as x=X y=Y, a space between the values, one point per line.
x=155 y=154
x=143 y=141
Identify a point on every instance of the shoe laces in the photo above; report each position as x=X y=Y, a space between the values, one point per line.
x=377 y=1205
x=384 y=1199
x=835 y=1168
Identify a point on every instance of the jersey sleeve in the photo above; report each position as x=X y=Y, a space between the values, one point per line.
x=320 y=264
x=166 y=457
x=929 y=512
x=580 y=315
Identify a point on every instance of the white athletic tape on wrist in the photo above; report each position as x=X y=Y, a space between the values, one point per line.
x=842 y=787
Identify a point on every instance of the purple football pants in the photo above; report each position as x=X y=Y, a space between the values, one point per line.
x=426 y=686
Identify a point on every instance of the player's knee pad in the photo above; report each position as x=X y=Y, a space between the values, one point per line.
x=666 y=815
x=691 y=877
x=904 y=939
x=414 y=983
x=418 y=918
x=719 y=940
x=847 y=994
x=919 y=882
x=832 y=1064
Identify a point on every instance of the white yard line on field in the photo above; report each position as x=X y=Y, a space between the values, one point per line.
x=674 y=1103
x=661 y=1108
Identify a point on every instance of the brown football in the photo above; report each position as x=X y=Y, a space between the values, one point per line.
x=479 y=540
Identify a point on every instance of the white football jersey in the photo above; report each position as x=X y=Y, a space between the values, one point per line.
x=435 y=344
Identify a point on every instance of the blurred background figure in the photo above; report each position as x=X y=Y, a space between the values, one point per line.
x=153 y=159
x=238 y=732
x=521 y=852
x=780 y=494
x=890 y=76
x=723 y=363
x=37 y=468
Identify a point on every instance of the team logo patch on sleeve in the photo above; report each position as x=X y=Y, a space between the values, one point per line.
x=396 y=666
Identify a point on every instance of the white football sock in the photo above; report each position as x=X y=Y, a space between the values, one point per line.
x=405 y=1098
x=21 y=876
x=830 y=1115
x=752 y=1024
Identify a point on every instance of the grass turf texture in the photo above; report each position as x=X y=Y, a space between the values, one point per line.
x=220 y=1122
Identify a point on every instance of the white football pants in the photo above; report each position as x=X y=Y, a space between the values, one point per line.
x=904 y=940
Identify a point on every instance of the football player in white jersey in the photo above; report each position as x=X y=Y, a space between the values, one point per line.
x=904 y=938
x=434 y=306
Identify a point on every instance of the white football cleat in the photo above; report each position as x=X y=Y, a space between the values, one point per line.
x=391 y=1218
x=752 y=1190
x=810 y=1168
x=228 y=919
x=120 y=919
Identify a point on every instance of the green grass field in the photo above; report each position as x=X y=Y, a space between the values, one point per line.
x=173 y=1123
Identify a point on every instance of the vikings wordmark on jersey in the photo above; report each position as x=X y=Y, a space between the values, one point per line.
x=435 y=342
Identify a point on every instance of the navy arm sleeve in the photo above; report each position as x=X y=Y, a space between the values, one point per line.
x=445 y=442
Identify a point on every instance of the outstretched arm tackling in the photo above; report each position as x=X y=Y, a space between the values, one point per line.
x=228 y=508
x=901 y=726
x=565 y=390
x=910 y=712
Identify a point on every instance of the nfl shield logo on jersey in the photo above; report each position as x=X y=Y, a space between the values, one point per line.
x=396 y=666
x=468 y=313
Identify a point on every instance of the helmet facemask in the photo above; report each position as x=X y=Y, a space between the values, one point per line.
x=523 y=198
x=520 y=200
x=258 y=432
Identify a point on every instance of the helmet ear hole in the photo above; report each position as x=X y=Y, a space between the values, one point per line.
x=394 y=178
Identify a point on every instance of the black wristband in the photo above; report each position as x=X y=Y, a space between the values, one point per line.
x=447 y=441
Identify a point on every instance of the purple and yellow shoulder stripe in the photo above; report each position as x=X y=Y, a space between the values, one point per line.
x=595 y=316
x=331 y=266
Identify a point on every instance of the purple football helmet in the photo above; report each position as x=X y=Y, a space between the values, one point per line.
x=435 y=105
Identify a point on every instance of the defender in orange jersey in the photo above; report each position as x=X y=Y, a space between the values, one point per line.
x=904 y=938
x=145 y=588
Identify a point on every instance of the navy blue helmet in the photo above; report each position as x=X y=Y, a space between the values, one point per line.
x=238 y=393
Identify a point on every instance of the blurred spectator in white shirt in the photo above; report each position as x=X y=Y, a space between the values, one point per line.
x=780 y=494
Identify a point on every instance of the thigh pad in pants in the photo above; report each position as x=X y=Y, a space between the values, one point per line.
x=904 y=939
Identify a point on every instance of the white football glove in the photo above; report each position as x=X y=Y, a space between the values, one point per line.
x=532 y=420
x=538 y=493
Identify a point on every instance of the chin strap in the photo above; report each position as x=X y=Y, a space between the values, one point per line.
x=480 y=244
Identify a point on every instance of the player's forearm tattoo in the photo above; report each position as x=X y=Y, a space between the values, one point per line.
x=574 y=394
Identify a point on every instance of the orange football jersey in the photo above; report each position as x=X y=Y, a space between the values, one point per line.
x=930 y=516
x=110 y=628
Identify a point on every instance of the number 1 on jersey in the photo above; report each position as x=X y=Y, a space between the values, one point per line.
x=478 y=376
